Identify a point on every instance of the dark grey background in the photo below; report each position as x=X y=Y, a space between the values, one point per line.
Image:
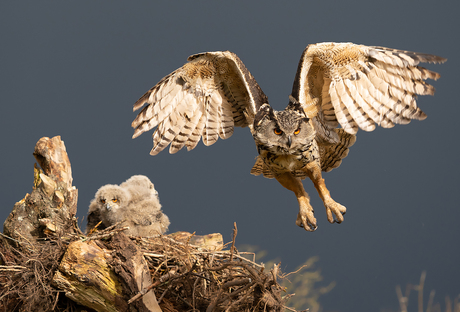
x=74 y=69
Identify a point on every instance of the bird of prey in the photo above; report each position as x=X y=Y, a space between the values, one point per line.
x=338 y=89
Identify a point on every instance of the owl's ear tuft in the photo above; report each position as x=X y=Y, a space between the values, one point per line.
x=265 y=111
x=295 y=106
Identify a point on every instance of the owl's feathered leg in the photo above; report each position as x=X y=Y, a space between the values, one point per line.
x=306 y=217
x=332 y=207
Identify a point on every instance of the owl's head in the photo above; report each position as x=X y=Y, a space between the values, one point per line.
x=140 y=186
x=286 y=130
x=111 y=198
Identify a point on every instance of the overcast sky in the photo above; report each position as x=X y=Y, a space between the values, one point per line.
x=75 y=69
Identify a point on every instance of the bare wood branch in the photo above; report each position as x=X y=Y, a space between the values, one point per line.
x=235 y=232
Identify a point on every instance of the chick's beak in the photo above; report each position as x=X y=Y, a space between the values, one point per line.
x=108 y=207
x=289 y=141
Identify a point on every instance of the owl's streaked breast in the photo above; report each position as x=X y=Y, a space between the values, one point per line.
x=281 y=160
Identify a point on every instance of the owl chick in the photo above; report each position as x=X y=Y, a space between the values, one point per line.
x=145 y=218
x=135 y=203
x=140 y=187
x=107 y=206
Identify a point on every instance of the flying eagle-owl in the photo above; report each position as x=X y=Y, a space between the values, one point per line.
x=135 y=203
x=346 y=84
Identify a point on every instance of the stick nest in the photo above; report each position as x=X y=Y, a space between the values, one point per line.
x=184 y=277
x=187 y=278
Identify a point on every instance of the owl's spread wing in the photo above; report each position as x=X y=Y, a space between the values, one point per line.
x=357 y=86
x=205 y=98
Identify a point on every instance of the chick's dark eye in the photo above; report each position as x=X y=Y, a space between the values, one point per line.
x=297 y=131
x=115 y=200
x=277 y=131
x=103 y=201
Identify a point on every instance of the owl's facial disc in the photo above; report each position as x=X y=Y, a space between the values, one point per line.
x=109 y=204
x=112 y=204
x=286 y=136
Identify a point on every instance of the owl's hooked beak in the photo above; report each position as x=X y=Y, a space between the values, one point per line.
x=108 y=207
x=289 y=141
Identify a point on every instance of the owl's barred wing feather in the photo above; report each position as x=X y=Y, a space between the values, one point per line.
x=332 y=154
x=207 y=97
x=357 y=86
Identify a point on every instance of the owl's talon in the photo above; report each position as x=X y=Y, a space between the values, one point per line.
x=306 y=221
x=335 y=208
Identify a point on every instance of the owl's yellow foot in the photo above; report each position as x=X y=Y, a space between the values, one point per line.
x=335 y=208
x=306 y=217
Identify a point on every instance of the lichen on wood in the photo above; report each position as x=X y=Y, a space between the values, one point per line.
x=87 y=279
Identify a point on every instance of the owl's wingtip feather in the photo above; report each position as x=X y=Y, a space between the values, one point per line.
x=136 y=133
x=154 y=152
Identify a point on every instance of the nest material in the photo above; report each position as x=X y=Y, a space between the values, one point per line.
x=184 y=277
x=26 y=274
x=187 y=278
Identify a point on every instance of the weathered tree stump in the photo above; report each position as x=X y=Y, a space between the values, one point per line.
x=87 y=279
x=52 y=205
x=130 y=266
x=96 y=278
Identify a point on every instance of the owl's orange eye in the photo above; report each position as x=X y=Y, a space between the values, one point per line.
x=297 y=131
x=103 y=201
x=277 y=131
x=115 y=200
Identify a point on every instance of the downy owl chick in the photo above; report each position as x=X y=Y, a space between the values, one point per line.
x=140 y=187
x=145 y=218
x=108 y=205
x=135 y=203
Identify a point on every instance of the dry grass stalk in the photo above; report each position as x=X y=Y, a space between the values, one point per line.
x=431 y=306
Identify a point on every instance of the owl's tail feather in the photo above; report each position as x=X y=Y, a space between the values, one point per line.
x=332 y=154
